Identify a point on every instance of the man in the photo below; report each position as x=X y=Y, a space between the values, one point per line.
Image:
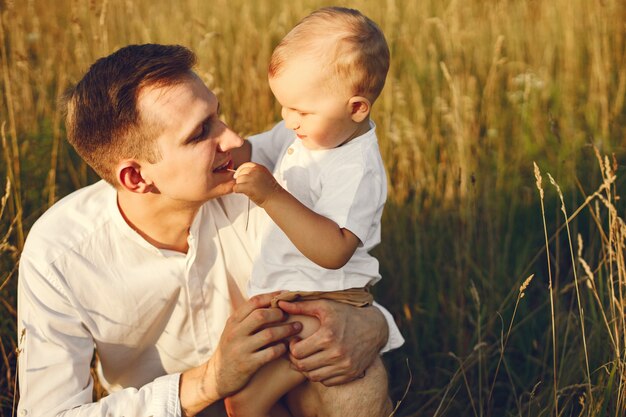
x=148 y=269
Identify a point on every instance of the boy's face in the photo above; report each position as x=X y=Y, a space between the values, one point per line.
x=194 y=144
x=320 y=115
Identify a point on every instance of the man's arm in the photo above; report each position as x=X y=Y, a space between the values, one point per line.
x=316 y=237
x=56 y=351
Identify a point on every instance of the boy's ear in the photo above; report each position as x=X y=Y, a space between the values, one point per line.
x=360 y=108
x=129 y=177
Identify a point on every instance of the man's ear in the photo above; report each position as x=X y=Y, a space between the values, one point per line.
x=359 y=108
x=130 y=178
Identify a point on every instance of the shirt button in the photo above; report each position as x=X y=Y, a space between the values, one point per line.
x=290 y=151
x=23 y=412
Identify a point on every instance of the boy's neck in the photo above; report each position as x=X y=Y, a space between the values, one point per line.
x=361 y=129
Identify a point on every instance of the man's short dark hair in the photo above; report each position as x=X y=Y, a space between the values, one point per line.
x=103 y=122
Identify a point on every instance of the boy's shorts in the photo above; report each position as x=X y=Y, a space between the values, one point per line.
x=358 y=297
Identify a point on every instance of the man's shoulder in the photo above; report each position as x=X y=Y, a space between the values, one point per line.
x=70 y=219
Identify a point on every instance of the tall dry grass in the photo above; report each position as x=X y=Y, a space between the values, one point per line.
x=477 y=91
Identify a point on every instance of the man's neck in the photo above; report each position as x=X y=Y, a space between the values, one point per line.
x=163 y=224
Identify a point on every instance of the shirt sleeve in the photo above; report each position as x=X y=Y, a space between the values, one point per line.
x=268 y=146
x=55 y=357
x=352 y=196
x=395 y=339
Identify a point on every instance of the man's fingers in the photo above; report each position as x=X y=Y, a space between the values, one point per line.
x=306 y=308
x=254 y=303
x=321 y=340
x=260 y=318
x=327 y=373
x=268 y=354
x=274 y=334
x=319 y=362
x=338 y=380
x=332 y=375
x=309 y=363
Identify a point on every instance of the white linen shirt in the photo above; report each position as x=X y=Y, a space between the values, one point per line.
x=88 y=280
x=347 y=185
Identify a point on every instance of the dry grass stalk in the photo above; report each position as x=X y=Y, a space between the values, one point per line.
x=18 y=351
x=580 y=306
x=460 y=371
x=538 y=183
x=12 y=151
x=465 y=381
x=406 y=390
x=505 y=339
x=591 y=284
x=478 y=347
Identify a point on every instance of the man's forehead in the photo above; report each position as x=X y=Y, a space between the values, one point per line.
x=176 y=97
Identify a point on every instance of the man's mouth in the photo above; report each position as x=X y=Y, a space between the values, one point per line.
x=224 y=167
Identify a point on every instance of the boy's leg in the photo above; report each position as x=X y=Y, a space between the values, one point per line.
x=365 y=397
x=264 y=390
x=270 y=383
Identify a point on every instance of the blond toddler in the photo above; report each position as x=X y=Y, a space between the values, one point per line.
x=325 y=196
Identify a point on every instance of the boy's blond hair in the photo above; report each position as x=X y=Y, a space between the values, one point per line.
x=352 y=46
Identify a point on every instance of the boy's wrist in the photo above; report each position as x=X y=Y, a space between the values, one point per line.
x=273 y=196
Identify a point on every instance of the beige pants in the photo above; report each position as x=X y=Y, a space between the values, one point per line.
x=358 y=297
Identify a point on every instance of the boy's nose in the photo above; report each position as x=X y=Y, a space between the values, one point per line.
x=292 y=119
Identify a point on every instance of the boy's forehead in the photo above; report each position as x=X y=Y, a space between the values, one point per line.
x=306 y=72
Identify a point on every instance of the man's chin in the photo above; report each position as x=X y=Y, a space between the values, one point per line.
x=221 y=190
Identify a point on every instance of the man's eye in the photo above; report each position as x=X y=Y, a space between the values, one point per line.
x=204 y=132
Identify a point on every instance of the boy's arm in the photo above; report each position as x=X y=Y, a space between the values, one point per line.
x=318 y=238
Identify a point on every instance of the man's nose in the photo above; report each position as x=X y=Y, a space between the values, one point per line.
x=229 y=140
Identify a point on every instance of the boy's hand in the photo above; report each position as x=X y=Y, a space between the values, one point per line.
x=256 y=182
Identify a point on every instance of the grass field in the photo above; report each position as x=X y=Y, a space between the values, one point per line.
x=478 y=91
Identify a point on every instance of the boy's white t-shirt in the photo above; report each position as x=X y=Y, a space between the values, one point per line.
x=346 y=184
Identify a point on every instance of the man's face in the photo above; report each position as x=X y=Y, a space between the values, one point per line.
x=193 y=144
x=319 y=114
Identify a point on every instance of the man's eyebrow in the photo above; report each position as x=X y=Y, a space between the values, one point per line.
x=193 y=136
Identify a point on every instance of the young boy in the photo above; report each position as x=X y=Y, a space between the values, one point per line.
x=326 y=195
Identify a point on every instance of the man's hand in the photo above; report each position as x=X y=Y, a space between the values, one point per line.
x=347 y=342
x=256 y=182
x=248 y=342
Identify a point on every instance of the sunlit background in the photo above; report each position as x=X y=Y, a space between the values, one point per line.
x=477 y=92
